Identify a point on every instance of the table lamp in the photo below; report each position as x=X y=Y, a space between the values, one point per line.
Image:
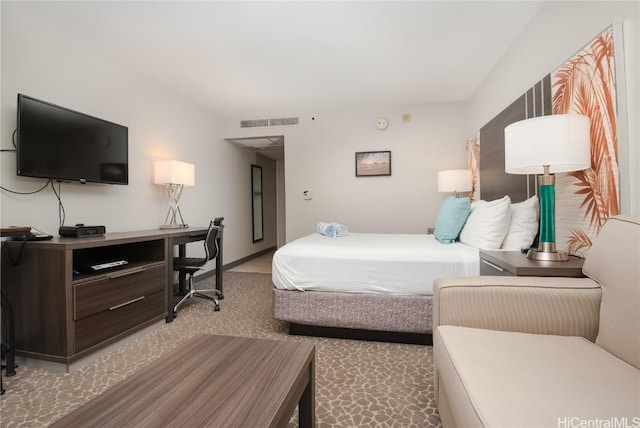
x=546 y=145
x=174 y=175
x=454 y=181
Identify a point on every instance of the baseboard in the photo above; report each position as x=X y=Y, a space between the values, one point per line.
x=212 y=272
x=246 y=259
x=358 y=334
x=208 y=274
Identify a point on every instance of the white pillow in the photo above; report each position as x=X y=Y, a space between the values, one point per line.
x=487 y=224
x=523 y=227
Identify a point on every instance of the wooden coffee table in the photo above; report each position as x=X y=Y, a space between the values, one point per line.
x=216 y=381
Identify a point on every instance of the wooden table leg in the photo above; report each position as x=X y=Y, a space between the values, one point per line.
x=307 y=404
x=182 y=252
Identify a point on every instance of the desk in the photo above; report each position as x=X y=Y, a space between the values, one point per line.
x=181 y=237
x=61 y=316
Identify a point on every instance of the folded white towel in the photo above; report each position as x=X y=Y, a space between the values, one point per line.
x=326 y=229
x=341 y=229
x=331 y=229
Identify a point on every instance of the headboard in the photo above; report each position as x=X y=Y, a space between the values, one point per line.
x=495 y=183
x=584 y=200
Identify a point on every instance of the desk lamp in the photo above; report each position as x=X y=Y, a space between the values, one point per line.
x=546 y=145
x=174 y=175
x=454 y=181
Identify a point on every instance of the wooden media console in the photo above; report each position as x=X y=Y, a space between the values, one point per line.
x=64 y=311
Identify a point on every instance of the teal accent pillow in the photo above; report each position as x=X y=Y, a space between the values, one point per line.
x=452 y=216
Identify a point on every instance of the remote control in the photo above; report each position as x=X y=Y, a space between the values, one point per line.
x=109 y=265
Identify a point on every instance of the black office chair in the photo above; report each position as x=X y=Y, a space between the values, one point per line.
x=188 y=266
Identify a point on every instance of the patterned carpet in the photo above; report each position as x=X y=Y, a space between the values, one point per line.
x=358 y=384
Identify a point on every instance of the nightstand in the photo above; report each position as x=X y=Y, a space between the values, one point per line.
x=515 y=263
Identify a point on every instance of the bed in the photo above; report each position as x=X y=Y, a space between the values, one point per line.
x=379 y=286
x=364 y=285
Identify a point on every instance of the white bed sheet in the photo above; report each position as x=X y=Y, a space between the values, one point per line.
x=370 y=263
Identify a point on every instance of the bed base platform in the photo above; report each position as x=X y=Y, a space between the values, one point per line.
x=296 y=329
x=382 y=317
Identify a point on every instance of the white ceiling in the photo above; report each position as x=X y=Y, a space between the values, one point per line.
x=276 y=58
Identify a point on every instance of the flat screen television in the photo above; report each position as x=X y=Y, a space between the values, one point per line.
x=61 y=144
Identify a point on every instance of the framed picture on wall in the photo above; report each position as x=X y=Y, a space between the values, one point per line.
x=370 y=164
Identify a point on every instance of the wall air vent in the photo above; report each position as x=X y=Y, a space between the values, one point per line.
x=254 y=123
x=283 y=121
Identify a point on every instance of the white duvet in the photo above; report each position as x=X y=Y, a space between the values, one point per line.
x=370 y=263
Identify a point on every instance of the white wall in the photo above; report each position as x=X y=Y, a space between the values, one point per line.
x=557 y=32
x=319 y=154
x=42 y=61
x=320 y=158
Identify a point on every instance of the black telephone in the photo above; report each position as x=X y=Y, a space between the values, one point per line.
x=22 y=234
x=38 y=235
x=25 y=234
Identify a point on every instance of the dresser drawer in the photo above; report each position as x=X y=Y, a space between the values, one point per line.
x=116 y=289
x=104 y=325
x=491 y=269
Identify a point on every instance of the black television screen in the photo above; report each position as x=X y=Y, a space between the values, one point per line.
x=58 y=143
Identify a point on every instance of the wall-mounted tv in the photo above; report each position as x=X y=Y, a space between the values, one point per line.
x=58 y=143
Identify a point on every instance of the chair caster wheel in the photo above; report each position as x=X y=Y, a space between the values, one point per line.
x=175 y=314
x=216 y=308
x=220 y=296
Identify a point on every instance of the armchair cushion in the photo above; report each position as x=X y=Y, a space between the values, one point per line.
x=502 y=379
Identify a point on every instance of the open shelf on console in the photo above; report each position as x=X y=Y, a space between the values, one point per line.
x=113 y=272
x=136 y=254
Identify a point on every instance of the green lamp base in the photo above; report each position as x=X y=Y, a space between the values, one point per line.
x=547 y=246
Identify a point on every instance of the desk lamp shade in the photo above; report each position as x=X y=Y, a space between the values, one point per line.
x=174 y=175
x=174 y=172
x=454 y=181
x=546 y=145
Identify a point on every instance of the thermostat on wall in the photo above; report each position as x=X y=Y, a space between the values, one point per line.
x=382 y=123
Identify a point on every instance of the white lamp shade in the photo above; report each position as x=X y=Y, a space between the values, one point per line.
x=174 y=172
x=454 y=180
x=561 y=141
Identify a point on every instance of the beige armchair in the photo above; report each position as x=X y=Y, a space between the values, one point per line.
x=544 y=352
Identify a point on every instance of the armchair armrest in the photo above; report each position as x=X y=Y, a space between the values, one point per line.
x=541 y=305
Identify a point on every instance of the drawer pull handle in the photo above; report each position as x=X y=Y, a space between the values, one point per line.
x=113 y=308
x=129 y=272
x=496 y=267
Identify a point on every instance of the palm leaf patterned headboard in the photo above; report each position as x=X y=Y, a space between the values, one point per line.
x=585 y=84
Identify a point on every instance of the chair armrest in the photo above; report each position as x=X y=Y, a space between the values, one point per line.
x=540 y=305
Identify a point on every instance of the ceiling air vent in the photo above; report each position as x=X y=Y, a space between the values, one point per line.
x=283 y=121
x=254 y=123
